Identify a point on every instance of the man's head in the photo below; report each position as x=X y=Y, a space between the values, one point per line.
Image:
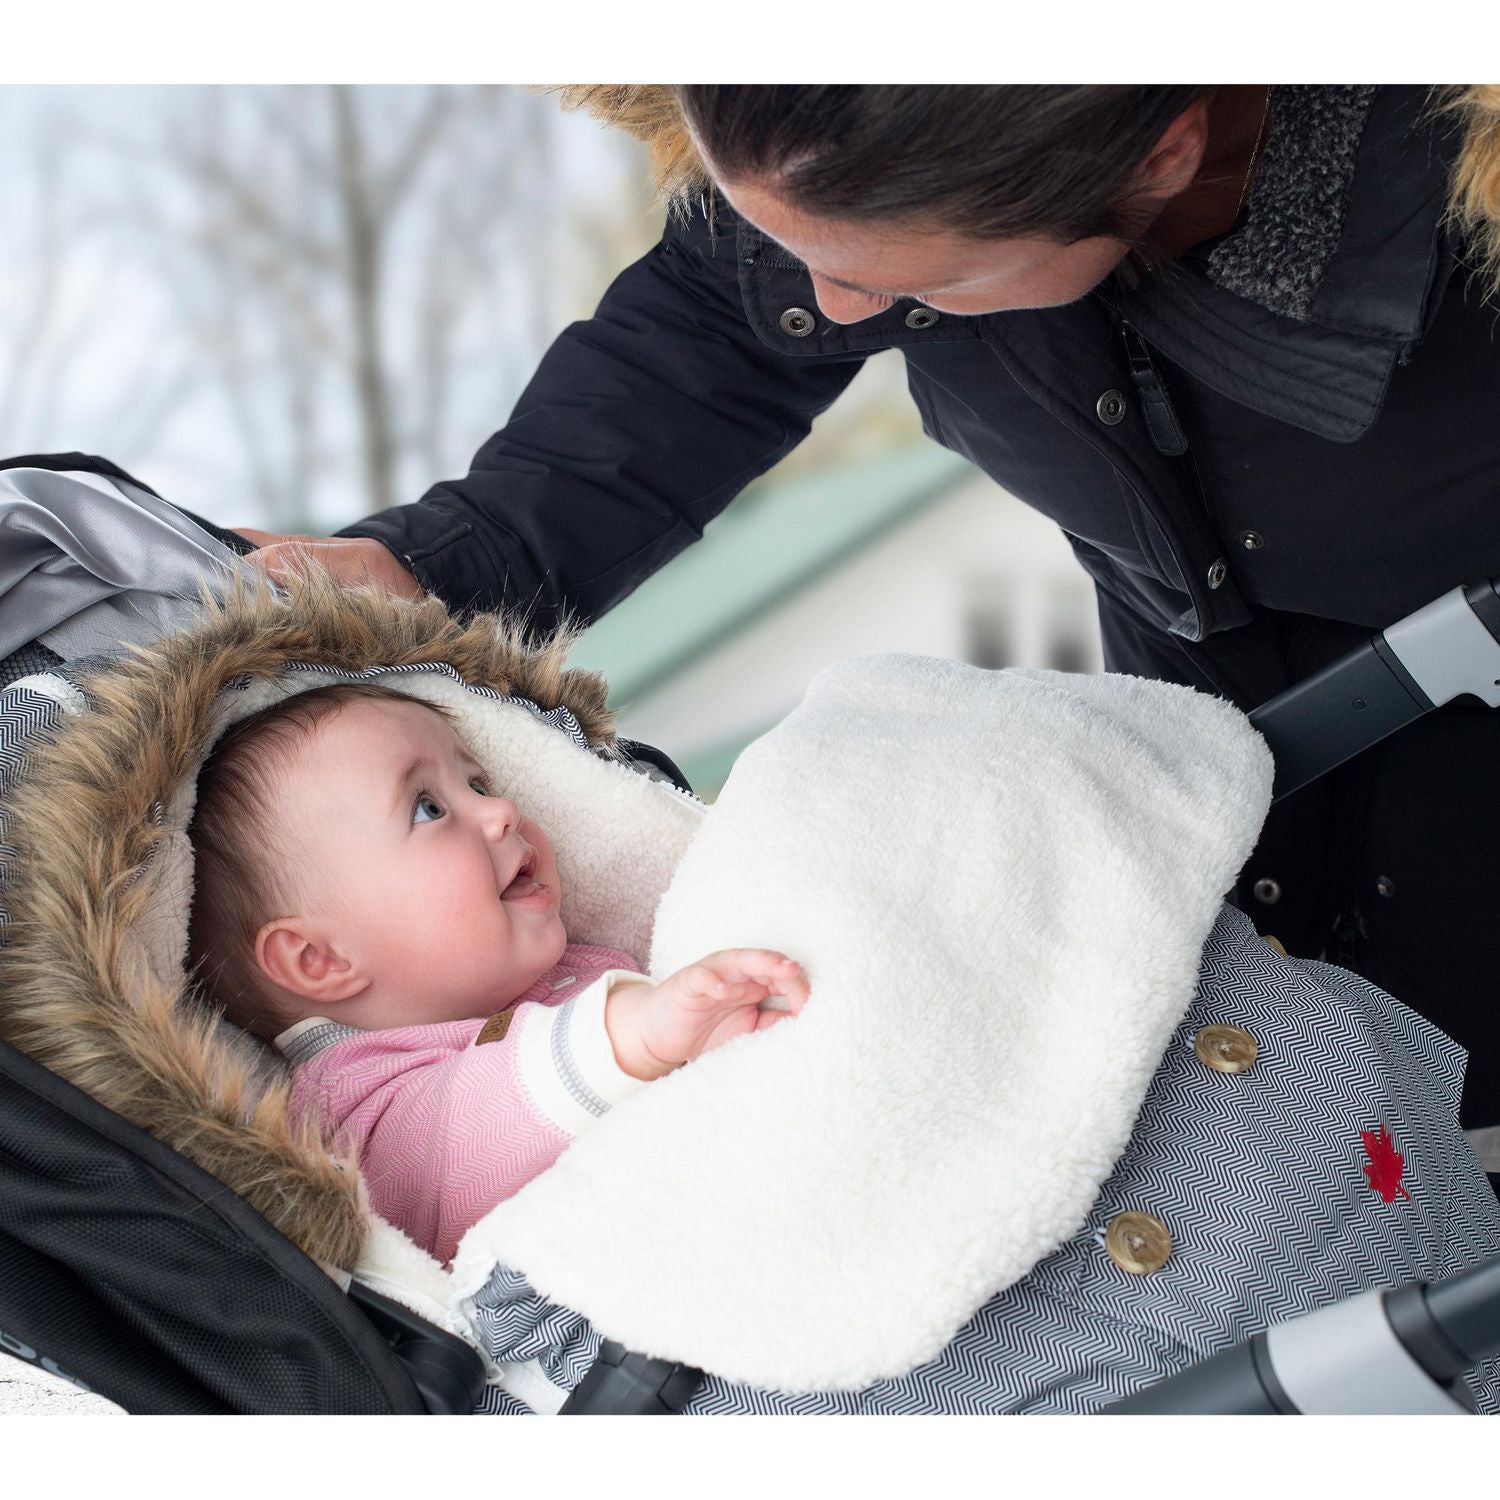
x=353 y=861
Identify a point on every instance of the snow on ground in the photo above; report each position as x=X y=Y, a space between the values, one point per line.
x=26 y=1390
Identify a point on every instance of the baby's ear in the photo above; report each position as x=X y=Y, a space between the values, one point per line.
x=295 y=953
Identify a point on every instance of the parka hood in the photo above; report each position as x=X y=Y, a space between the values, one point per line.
x=99 y=892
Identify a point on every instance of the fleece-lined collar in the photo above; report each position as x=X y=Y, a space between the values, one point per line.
x=1304 y=310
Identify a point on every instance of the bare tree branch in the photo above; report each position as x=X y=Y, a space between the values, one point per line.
x=210 y=166
x=357 y=282
x=421 y=141
x=273 y=107
x=362 y=259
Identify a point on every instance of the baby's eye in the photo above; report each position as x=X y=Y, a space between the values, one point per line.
x=426 y=809
x=481 y=784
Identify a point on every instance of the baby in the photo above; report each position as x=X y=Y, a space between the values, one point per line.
x=366 y=902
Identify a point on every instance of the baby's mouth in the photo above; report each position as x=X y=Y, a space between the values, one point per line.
x=523 y=883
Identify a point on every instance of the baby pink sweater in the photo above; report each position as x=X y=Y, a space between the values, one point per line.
x=447 y=1120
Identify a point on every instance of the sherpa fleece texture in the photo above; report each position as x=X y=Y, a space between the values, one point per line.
x=999 y=884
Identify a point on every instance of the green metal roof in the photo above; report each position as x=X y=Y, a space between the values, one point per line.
x=774 y=540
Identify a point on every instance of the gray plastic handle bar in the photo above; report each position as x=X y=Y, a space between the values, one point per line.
x=1442 y=651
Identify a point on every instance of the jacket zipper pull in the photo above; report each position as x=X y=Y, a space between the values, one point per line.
x=1166 y=431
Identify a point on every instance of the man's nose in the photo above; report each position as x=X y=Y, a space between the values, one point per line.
x=840 y=304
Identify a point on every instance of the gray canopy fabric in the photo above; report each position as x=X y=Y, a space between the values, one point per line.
x=88 y=562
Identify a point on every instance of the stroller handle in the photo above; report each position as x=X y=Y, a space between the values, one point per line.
x=1381 y=1353
x=1442 y=651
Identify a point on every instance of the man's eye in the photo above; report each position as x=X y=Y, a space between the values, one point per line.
x=426 y=809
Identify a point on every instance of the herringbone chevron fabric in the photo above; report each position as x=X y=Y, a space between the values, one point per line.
x=1259 y=1177
x=28 y=710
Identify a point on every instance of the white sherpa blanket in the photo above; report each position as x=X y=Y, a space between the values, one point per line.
x=999 y=884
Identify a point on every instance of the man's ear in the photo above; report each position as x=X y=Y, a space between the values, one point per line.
x=299 y=955
x=1175 y=158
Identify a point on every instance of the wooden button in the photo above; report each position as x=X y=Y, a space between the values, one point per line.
x=1226 y=1049
x=1275 y=943
x=1137 y=1243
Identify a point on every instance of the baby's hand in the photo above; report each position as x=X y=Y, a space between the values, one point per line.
x=656 y=1027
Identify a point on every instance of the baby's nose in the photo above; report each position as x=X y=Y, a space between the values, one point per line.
x=499 y=815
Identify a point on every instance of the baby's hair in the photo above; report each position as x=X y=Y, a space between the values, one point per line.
x=239 y=873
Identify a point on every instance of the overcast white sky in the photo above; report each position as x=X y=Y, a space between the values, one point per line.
x=104 y=283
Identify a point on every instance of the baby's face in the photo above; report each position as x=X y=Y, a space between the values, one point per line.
x=443 y=893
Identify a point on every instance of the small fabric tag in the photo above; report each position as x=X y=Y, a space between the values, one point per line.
x=495 y=1028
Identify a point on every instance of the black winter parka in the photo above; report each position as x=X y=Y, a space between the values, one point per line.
x=1255 y=479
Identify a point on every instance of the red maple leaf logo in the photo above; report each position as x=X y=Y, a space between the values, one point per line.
x=1385 y=1164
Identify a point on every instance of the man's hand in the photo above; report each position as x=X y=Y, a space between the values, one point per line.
x=655 y=1028
x=351 y=559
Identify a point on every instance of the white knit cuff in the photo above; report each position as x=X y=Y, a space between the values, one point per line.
x=567 y=1061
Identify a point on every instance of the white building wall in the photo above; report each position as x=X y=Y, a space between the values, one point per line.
x=976 y=575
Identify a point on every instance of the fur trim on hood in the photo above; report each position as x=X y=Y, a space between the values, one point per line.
x=1474 y=189
x=650 y=112
x=88 y=819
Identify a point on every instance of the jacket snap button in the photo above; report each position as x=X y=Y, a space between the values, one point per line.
x=798 y=322
x=1225 y=1049
x=1266 y=891
x=1252 y=541
x=1137 y=1243
x=921 y=317
x=1218 y=571
x=1111 y=408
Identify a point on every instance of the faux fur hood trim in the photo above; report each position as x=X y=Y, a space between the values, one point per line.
x=87 y=820
x=1474 y=188
x=650 y=112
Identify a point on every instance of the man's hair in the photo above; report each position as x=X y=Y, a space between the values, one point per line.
x=994 y=161
x=241 y=878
